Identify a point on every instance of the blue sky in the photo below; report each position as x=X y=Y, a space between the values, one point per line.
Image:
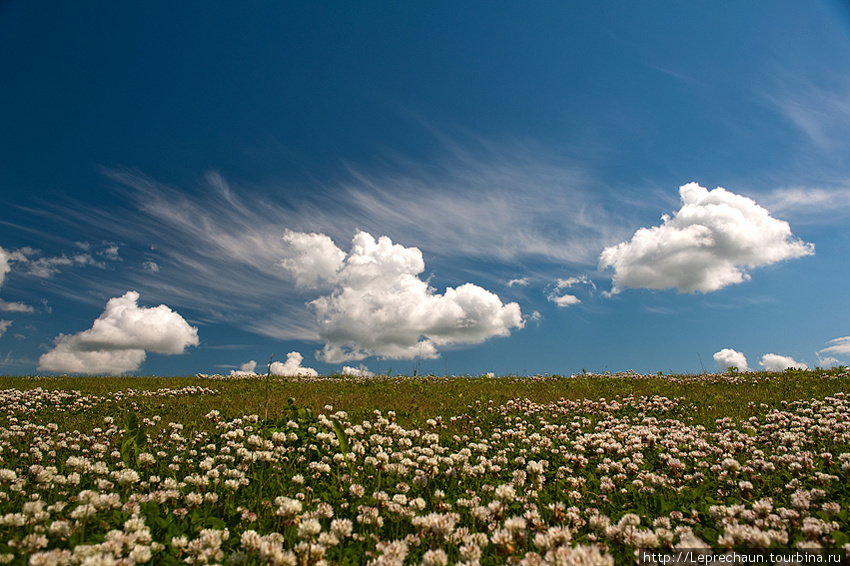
x=442 y=187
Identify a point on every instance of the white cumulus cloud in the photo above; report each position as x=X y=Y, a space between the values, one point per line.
x=311 y=258
x=118 y=340
x=292 y=367
x=775 y=362
x=361 y=371
x=378 y=305
x=245 y=370
x=4 y=326
x=710 y=243
x=727 y=357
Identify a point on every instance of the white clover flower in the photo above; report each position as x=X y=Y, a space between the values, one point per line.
x=250 y=540
x=127 y=476
x=515 y=525
x=342 y=528
x=629 y=520
x=179 y=542
x=287 y=508
x=83 y=511
x=581 y=554
x=140 y=554
x=763 y=507
x=435 y=557
x=505 y=492
x=309 y=528
x=194 y=499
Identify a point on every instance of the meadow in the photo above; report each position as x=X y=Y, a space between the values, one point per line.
x=586 y=469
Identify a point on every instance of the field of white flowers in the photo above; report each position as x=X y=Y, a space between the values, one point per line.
x=567 y=481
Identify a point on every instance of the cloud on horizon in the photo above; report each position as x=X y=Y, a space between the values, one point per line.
x=775 y=362
x=378 y=306
x=727 y=357
x=292 y=367
x=709 y=244
x=118 y=340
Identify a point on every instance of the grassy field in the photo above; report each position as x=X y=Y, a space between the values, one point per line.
x=421 y=470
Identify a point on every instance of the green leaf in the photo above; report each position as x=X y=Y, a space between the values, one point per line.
x=340 y=436
x=840 y=538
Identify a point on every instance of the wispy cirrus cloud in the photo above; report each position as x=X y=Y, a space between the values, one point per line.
x=838 y=346
x=812 y=203
x=821 y=111
x=217 y=247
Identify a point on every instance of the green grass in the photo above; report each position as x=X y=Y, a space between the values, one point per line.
x=682 y=449
x=416 y=399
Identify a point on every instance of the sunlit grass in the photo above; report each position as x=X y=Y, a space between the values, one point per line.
x=419 y=470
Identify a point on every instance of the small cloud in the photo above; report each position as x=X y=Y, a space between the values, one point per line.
x=110 y=252
x=150 y=266
x=565 y=299
x=522 y=282
x=245 y=370
x=775 y=362
x=361 y=371
x=292 y=367
x=4 y=326
x=32 y=262
x=707 y=245
x=727 y=357
x=14 y=307
x=118 y=340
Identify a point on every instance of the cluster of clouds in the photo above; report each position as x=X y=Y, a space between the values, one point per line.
x=120 y=338
x=30 y=261
x=293 y=367
x=290 y=368
x=562 y=299
x=376 y=304
x=727 y=357
x=710 y=243
x=372 y=300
